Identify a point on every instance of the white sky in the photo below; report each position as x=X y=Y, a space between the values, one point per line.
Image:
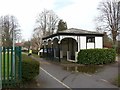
x=77 y=13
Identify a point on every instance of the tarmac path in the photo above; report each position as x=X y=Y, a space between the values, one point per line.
x=54 y=76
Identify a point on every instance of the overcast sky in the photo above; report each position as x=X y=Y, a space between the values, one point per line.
x=77 y=13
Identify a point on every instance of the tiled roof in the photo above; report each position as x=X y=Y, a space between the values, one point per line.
x=74 y=31
x=78 y=31
x=19 y=44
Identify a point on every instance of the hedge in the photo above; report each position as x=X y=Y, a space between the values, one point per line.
x=96 y=56
x=30 y=68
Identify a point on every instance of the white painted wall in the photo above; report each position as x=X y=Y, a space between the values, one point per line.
x=61 y=54
x=90 y=45
x=78 y=43
x=82 y=42
x=67 y=36
x=55 y=37
x=98 y=42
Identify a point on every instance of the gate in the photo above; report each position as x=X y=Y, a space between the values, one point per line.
x=10 y=67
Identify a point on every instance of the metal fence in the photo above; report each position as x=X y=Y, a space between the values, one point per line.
x=10 y=68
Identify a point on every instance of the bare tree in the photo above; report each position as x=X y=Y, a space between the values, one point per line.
x=47 y=22
x=7 y=25
x=26 y=44
x=36 y=39
x=109 y=18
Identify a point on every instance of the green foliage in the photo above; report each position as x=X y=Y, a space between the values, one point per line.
x=117 y=81
x=96 y=56
x=35 y=51
x=30 y=68
x=62 y=25
x=36 y=56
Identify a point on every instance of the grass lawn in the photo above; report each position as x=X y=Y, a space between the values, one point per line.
x=26 y=57
x=117 y=81
x=35 y=55
x=118 y=55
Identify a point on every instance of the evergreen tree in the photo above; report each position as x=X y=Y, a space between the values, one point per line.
x=62 y=25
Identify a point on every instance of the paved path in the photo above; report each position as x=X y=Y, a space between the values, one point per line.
x=53 y=76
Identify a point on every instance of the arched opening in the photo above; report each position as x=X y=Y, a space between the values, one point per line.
x=43 y=51
x=49 y=49
x=68 y=48
x=55 y=48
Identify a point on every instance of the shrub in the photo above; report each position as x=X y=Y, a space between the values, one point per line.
x=96 y=56
x=35 y=51
x=30 y=68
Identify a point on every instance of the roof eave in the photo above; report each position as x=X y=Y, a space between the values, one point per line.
x=78 y=34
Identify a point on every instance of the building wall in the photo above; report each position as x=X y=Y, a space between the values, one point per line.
x=65 y=46
x=90 y=45
x=55 y=47
x=71 y=45
x=82 y=42
x=98 y=42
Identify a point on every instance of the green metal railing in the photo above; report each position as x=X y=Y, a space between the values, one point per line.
x=0 y=68
x=11 y=70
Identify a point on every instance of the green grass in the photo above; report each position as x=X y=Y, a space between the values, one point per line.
x=117 y=54
x=25 y=57
x=117 y=81
x=35 y=55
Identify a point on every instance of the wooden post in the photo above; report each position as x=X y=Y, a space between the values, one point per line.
x=68 y=52
x=47 y=49
x=59 y=50
x=0 y=60
x=52 y=50
x=43 y=51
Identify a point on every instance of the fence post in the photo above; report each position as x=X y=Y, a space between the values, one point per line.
x=0 y=59
x=0 y=67
x=20 y=64
x=7 y=76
